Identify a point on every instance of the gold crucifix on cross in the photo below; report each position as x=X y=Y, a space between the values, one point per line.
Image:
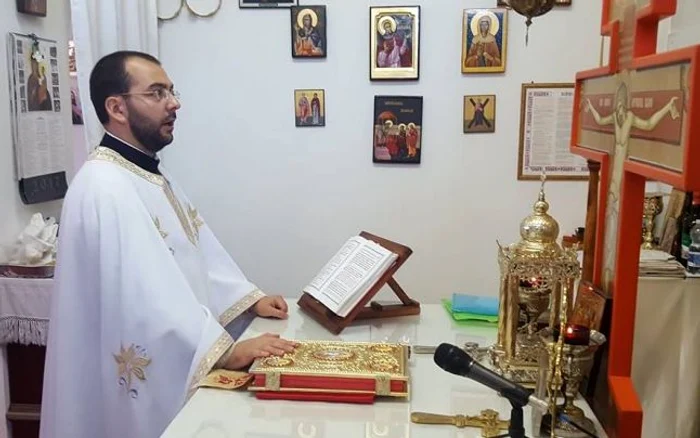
x=487 y=421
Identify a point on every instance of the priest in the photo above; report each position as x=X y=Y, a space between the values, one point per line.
x=146 y=300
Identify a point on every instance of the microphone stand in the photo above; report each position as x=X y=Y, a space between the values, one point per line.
x=516 y=428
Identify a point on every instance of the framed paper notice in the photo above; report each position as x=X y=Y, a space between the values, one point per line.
x=546 y=112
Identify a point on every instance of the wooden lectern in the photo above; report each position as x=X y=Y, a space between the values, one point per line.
x=336 y=324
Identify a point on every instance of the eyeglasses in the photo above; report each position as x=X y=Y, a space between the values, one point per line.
x=159 y=94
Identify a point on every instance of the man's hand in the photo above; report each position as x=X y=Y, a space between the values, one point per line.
x=245 y=352
x=274 y=307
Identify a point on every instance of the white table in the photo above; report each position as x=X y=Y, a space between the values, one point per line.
x=218 y=413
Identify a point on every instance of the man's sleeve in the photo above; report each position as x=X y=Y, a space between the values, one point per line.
x=232 y=295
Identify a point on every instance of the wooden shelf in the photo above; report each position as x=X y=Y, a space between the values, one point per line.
x=24 y=412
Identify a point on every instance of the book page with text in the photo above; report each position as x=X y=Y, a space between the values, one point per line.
x=354 y=278
x=350 y=247
x=350 y=304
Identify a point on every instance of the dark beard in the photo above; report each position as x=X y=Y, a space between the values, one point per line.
x=148 y=132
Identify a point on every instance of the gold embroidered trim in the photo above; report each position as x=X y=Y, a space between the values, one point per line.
x=192 y=231
x=131 y=363
x=195 y=220
x=241 y=306
x=107 y=154
x=184 y=221
x=222 y=344
x=156 y=222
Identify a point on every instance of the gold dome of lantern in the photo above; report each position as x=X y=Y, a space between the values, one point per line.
x=539 y=231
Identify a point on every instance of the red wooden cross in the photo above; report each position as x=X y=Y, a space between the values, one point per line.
x=639 y=116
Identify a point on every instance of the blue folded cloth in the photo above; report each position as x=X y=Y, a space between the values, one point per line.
x=475 y=304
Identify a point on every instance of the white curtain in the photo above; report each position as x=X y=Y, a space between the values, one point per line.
x=101 y=27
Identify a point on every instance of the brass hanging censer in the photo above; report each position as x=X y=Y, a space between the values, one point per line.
x=530 y=9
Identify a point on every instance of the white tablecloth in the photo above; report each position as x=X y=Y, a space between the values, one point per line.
x=666 y=356
x=24 y=318
x=24 y=310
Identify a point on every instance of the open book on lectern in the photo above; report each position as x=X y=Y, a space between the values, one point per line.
x=350 y=274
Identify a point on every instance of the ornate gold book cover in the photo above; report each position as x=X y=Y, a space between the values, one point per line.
x=337 y=367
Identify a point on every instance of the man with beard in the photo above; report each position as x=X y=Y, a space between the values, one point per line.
x=146 y=302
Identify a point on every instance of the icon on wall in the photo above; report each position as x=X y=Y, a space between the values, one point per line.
x=76 y=107
x=310 y=107
x=267 y=3
x=394 y=43
x=308 y=31
x=480 y=113
x=398 y=129
x=484 y=40
x=32 y=7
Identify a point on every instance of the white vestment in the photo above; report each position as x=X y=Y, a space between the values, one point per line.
x=144 y=300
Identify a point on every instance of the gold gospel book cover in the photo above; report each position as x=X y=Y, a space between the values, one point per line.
x=354 y=372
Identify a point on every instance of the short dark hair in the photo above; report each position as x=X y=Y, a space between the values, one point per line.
x=109 y=78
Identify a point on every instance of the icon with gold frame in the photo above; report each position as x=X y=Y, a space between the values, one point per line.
x=484 y=40
x=394 y=43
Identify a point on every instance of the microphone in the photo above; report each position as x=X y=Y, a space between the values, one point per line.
x=456 y=361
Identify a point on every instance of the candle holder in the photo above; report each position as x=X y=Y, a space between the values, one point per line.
x=653 y=204
x=536 y=274
x=575 y=364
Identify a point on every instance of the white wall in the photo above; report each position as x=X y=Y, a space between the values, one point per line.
x=684 y=25
x=283 y=199
x=56 y=25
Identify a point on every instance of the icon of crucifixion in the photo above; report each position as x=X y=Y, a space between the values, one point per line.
x=623 y=119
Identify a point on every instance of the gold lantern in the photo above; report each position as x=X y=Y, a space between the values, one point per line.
x=530 y=9
x=537 y=274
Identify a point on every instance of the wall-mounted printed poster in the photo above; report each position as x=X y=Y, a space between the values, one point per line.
x=38 y=122
x=309 y=32
x=310 y=107
x=479 y=113
x=398 y=128
x=484 y=40
x=394 y=43
x=267 y=3
x=546 y=112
